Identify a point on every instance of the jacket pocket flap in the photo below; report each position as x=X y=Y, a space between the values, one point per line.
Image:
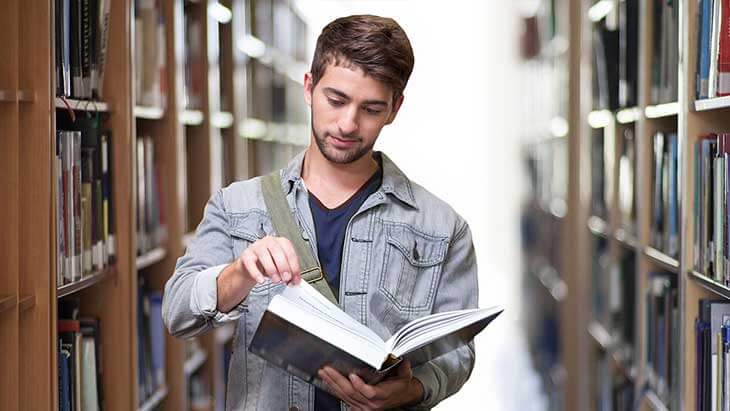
x=421 y=250
x=249 y=226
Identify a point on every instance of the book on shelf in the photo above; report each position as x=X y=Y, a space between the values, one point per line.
x=662 y=333
x=85 y=241
x=712 y=339
x=665 y=52
x=713 y=49
x=81 y=36
x=622 y=297
x=712 y=173
x=665 y=196
x=150 y=80
x=150 y=342
x=599 y=188
x=301 y=331
x=627 y=181
x=80 y=370
x=151 y=225
x=605 y=70
x=629 y=24
x=195 y=76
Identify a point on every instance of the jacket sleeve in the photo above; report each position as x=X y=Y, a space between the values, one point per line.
x=444 y=375
x=191 y=294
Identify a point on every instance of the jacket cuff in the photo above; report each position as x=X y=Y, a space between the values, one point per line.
x=428 y=378
x=204 y=297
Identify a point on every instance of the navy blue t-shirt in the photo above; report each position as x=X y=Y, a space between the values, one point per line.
x=330 y=225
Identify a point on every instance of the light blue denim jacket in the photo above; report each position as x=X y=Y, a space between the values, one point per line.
x=406 y=254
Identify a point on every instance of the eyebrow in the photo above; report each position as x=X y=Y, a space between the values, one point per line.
x=346 y=97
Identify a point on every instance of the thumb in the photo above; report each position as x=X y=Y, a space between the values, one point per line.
x=404 y=371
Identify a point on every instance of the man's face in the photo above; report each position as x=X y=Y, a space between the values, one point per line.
x=348 y=111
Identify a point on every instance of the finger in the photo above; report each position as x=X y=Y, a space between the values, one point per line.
x=369 y=392
x=345 y=386
x=334 y=389
x=267 y=263
x=280 y=261
x=291 y=256
x=248 y=259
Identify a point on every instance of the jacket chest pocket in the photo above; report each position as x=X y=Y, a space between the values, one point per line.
x=247 y=228
x=411 y=268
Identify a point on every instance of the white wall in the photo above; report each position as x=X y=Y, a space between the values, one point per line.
x=457 y=135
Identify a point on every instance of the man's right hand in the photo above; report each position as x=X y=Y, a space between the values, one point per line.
x=270 y=257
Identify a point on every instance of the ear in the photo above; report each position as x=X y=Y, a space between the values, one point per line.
x=308 y=88
x=396 y=106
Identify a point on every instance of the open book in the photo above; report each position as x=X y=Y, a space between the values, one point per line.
x=301 y=332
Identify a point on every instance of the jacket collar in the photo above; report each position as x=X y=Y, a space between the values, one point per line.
x=395 y=182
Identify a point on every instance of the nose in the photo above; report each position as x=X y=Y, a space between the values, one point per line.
x=348 y=122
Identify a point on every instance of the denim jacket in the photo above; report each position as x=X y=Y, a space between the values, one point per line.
x=406 y=254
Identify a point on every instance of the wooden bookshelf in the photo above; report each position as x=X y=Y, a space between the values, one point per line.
x=636 y=239
x=197 y=151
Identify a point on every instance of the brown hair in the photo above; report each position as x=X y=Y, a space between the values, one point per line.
x=376 y=45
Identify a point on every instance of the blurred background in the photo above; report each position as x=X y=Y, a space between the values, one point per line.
x=585 y=142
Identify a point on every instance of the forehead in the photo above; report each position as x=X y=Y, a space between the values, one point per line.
x=352 y=81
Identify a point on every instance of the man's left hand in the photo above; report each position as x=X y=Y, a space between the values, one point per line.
x=402 y=389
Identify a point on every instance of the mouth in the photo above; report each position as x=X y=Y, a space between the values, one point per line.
x=343 y=141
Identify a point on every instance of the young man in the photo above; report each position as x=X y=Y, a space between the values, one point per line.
x=390 y=250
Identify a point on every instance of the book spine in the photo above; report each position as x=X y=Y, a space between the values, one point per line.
x=86 y=49
x=714 y=48
x=77 y=89
x=77 y=222
x=103 y=27
x=723 y=56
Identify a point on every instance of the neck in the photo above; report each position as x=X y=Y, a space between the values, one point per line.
x=320 y=174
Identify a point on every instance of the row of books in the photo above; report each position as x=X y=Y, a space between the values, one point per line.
x=546 y=164
x=613 y=390
x=665 y=193
x=150 y=342
x=614 y=299
x=150 y=80
x=151 y=223
x=712 y=168
x=81 y=34
x=662 y=335
x=713 y=49
x=196 y=79
x=712 y=338
x=665 y=51
x=616 y=39
x=84 y=204
x=278 y=25
x=79 y=361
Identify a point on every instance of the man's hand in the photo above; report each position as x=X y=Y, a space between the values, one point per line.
x=270 y=257
x=402 y=389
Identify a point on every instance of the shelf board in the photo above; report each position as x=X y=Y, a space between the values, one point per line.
x=710 y=284
x=654 y=401
x=550 y=279
x=224 y=334
x=712 y=103
x=221 y=119
x=626 y=238
x=148 y=112
x=662 y=259
x=600 y=118
x=191 y=117
x=151 y=257
x=662 y=110
x=600 y=9
x=598 y=226
x=601 y=336
x=7 y=302
x=86 y=282
x=194 y=363
x=154 y=401
x=628 y=115
x=83 y=105
x=26 y=303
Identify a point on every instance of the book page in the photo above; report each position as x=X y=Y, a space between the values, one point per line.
x=426 y=330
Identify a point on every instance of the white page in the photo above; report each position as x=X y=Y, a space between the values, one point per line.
x=442 y=326
x=329 y=329
x=311 y=300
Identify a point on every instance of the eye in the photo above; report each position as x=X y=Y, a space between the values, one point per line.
x=335 y=103
x=373 y=112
